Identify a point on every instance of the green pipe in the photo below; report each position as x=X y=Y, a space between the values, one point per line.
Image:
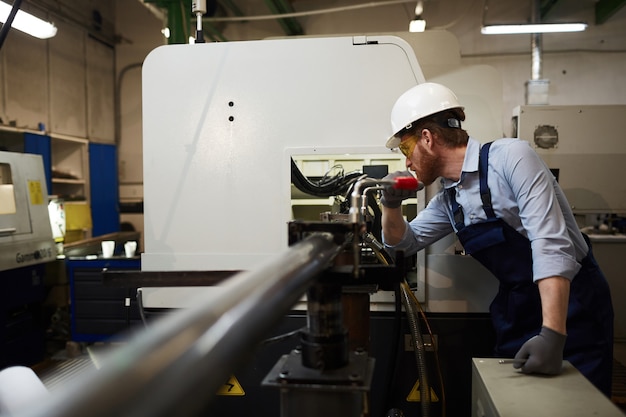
x=213 y=32
x=285 y=7
x=289 y=25
x=178 y=18
x=607 y=8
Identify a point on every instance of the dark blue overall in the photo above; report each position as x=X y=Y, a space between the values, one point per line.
x=516 y=309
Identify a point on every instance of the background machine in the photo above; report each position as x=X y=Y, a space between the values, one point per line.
x=26 y=244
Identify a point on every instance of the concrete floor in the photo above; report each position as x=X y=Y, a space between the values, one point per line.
x=68 y=367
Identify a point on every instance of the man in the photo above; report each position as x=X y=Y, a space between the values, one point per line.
x=510 y=214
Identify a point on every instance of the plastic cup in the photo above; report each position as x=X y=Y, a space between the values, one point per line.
x=129 y=248
x=108 y=246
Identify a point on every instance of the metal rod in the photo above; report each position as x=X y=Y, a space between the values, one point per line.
x=179 y=361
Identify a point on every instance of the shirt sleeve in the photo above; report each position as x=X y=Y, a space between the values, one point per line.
x=536 y=191
x=431 y=224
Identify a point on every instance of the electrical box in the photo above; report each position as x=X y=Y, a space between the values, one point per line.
x=584 y=147
x=25 y=231
x=499 y=390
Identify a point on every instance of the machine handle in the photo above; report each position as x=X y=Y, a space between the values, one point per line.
x=407 y=183
x=7 y=231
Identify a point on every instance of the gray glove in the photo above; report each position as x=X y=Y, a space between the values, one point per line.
x=543 y=353
x=392 y=197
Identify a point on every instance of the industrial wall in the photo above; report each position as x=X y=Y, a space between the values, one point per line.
x=64 y=85
x=86 y=81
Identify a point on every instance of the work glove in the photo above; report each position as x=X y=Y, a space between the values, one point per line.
x=392 y=197
x=543 y=353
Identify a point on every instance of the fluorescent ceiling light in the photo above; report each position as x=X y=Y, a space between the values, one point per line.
x=417 y=25
x=28 y=23
x=533 y=28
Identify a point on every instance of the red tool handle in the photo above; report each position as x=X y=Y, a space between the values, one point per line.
x=407 y=183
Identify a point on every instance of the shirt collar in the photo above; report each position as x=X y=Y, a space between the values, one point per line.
x=470 y=163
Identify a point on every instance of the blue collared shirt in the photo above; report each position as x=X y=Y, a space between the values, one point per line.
x=524 y=194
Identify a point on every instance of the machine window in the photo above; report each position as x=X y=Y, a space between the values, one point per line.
x=7 y=195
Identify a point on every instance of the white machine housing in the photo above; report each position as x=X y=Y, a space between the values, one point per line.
x=217 y=148
x=25 y=231
x=221 y=121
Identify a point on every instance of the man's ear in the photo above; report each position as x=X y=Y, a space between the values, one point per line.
x=427 y=137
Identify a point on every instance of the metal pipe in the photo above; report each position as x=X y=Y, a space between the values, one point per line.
x=356 y=216
x=536 y=72
x=179 y=361
x=536 y=43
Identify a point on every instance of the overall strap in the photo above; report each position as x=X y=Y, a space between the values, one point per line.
x=485 y=194
x=483 y=168
x=457 y=210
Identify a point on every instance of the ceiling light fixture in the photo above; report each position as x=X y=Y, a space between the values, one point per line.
x=28 y=23
x=418 y=24
x=533 y=28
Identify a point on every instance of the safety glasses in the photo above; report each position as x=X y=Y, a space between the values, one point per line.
x=408 y=145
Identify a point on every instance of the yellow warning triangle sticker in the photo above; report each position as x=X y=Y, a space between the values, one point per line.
x=415 y=396
x=232 y=387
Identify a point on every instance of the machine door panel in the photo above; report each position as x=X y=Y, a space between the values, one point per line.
x=14 y=215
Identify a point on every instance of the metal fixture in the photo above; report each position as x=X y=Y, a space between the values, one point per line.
x=535 y=26
x=26 y=22
x=328 y=375
x=537 y=87
x=418 y=24
x=198 y=7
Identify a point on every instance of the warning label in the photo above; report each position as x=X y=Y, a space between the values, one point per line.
x=415 y=395
x=232 y=387
x=36 y=193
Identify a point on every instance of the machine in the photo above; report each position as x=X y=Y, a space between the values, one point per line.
x=25 y=232
x=219 y=161
x=218 y=151
x=498 y=393
x=225 y=147
x=267 y=289
x=583 y=148
x=26 y=244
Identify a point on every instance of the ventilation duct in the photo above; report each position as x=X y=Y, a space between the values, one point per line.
x=537 y=87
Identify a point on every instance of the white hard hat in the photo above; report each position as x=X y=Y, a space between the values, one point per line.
x=416 y=103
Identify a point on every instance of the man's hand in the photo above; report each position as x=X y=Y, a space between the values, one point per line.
x=543 y=353
x=392 y=197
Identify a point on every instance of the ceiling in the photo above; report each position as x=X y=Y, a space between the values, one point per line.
x=603 y=11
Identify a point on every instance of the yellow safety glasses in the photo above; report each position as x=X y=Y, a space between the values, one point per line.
x=408 y=145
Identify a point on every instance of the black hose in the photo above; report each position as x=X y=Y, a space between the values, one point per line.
x=142 y=313
x=327 y=187
x=376 y=226
x=418 y=348
x=7 y=25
